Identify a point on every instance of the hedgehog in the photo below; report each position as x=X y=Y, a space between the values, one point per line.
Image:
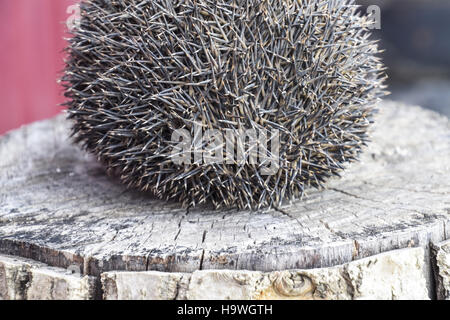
x=146 y=80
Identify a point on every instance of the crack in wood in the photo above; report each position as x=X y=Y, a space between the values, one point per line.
x=84 y=208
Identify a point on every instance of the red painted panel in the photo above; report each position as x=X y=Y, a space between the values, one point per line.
x=31 y=59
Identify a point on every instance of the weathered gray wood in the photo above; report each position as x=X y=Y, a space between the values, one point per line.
x=395 y=275
x=441 y=268
x=58 y=206
x=24 y=279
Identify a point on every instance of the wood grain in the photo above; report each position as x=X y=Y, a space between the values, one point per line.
x=58 y=206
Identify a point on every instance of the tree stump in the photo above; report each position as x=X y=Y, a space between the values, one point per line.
x=59 y=210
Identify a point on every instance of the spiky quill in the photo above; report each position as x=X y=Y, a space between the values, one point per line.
x=140 y=69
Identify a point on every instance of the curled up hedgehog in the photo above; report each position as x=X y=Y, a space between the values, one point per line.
x=239 y=103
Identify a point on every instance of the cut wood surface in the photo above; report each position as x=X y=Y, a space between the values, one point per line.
x=394 y=275
x=58 y=206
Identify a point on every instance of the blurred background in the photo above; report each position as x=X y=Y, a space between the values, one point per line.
x=416 y=37
x=415 y=34
x=31 y=60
